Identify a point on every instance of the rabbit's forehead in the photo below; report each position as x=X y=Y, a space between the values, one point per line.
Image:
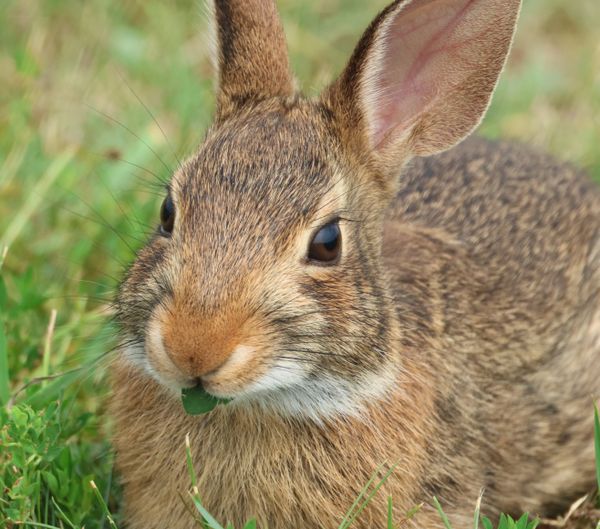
x=266 y=173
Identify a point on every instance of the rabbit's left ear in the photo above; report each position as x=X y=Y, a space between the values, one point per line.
x=422 y=76
x=251 y=53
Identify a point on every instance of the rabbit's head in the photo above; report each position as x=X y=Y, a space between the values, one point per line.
x=264 y=281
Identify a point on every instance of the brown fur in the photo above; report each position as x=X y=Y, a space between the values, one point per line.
x=197 y=344
x=460 y=343
x=252 y=57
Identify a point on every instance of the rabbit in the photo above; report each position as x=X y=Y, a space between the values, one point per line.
x=373 y=290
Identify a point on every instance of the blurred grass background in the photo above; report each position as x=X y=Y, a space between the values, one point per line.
x=79 y=191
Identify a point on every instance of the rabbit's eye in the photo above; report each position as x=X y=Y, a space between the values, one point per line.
x=167 y=216
x=326 y=245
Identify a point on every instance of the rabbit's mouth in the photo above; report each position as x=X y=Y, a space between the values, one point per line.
x=247 y=371
x=285 y=389
x=289 y=392
x=256 y=362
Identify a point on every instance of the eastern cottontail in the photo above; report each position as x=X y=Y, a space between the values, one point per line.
x=444 y=318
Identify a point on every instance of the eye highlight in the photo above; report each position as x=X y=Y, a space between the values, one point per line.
x=167 y=216
x=326 y=245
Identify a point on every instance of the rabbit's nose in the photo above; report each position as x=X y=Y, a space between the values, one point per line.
x=198 y=345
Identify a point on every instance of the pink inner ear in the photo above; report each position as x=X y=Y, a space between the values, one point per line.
x=428 y=49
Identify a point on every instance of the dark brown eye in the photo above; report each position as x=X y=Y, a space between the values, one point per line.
x=326 y=245
x=167 y=216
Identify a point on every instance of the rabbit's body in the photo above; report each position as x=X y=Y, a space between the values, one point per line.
x=459 y=343
x=492 y=389
x=518 y=236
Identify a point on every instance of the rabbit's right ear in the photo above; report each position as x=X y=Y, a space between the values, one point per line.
x=251 y=53
x=422 y=76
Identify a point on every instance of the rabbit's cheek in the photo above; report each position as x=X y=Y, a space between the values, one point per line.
x=150 y=358
x=245 y=365
x=252 y=371
x=281 y=374
x=134 y=352
x=158 y=363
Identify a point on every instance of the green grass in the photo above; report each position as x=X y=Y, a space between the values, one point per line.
x=81 y=167
x=504 y=521
x=597 y=449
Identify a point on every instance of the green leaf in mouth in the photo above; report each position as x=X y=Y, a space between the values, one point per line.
x=196 y=401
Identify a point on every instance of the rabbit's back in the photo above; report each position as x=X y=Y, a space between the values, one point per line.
x=511 y=206
x=494 y=256
x=507 y=241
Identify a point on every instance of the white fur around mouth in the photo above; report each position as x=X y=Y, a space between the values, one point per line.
x=296 y=395
x=288 y=390
x=137 y=356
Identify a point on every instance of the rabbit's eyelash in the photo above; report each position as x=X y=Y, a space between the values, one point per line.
x=294 y=317
x=342 y=215
x=348 y=219
x=339 y=196
x=336 y=183
x=319 y=222
x=311 y=352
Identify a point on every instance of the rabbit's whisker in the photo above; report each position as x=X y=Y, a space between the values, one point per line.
x=116 y=121
x=149 y=112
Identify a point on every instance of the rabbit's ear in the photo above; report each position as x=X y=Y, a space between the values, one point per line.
x=251 y=53
x=422 y=75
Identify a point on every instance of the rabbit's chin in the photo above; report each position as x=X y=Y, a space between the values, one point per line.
x=324 y=397
x=285 y=389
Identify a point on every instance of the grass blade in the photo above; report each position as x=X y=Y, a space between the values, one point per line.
x=195 y=493
x=597 y=443
x=36 y=196
x=477 y=511
x=107 y=513
x=411 y=513
x=442 y=513
x=487 y=524
x=358 y=499
x=522 y=522
x=4 y=379
x=207 y=517
x=63 y=515
x=48 y=344
x=37 y=524
x=188 y=508
x=368 y=499
x=54 y=389
x=3 y=253
x=190 y=464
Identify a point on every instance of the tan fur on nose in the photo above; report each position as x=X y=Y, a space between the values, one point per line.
x=196 y=344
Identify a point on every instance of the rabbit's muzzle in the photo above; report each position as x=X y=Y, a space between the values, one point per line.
x=196 y=345
x=222 y=351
